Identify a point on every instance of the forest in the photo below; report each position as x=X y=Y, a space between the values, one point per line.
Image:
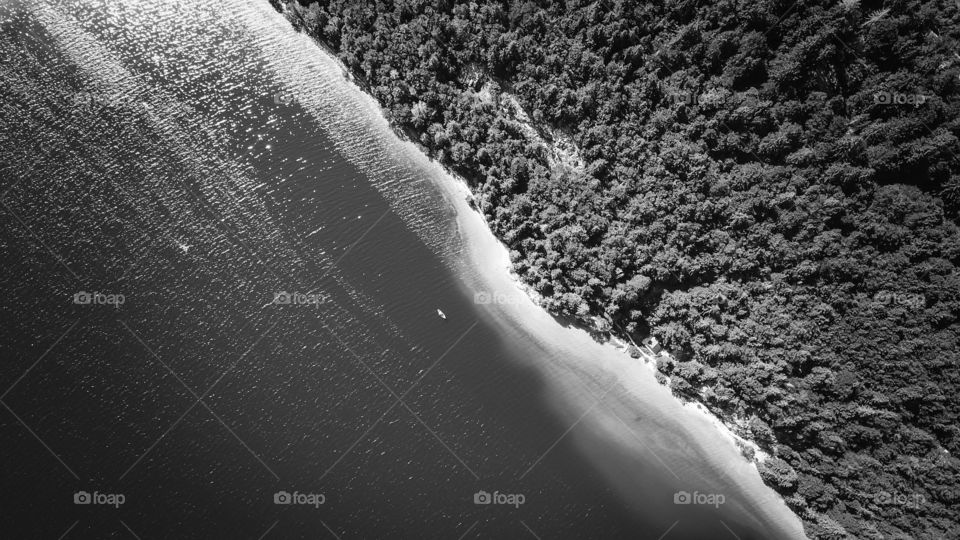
x=772 y=189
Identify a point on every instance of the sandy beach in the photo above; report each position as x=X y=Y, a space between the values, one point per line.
x=598 y=389
x=609 y=393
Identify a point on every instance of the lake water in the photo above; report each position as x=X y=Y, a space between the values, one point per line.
x=222 y=276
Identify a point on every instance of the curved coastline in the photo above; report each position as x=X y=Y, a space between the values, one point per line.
x=583 y=370
x=609 y=396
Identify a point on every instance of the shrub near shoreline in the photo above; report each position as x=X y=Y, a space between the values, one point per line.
x=771 y=189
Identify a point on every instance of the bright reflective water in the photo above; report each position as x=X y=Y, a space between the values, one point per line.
x=222 y=280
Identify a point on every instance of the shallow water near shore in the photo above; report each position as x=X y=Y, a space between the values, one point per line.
x=201 y=160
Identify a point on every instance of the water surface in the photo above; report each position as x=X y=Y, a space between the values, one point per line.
x=201 y=159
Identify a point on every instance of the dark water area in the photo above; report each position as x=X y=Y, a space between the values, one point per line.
x=164 y=196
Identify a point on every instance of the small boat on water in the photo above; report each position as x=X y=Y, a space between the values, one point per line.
x=441 y=314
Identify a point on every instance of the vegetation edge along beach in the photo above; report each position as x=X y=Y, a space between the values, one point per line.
x=771 y=190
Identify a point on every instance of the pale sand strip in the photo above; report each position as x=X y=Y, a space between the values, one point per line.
x=639 y=419
x=686 y=439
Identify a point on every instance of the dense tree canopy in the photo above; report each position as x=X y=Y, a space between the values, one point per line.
x=770 y=188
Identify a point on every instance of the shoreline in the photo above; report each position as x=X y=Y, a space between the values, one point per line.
x=490 y=257
x=461 y=191
x=577 y=365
